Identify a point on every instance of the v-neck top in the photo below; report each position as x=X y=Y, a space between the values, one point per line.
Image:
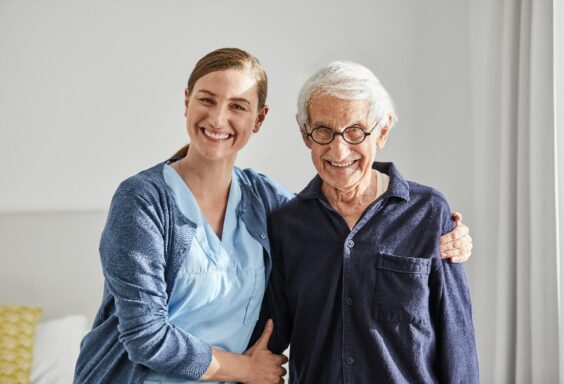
x=143 y=249
x=219 y=288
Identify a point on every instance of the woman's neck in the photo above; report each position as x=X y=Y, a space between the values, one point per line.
x=209 y=181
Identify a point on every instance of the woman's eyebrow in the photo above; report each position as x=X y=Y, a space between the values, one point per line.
x=238 y=99
x=207 y=92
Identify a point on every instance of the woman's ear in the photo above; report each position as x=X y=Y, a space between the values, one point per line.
x=186 y=99
x=260 y=118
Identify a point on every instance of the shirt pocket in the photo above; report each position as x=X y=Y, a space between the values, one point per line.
x=401 y=288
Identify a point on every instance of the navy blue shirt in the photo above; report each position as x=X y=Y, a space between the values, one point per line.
x=374 y=304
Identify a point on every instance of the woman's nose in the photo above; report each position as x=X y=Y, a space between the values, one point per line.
x=217 y=117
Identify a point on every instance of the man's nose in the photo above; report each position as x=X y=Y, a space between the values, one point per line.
x=339 y=148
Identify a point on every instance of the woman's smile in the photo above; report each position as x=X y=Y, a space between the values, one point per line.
x=216 y=136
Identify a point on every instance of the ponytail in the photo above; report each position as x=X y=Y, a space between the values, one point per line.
x=181 y=152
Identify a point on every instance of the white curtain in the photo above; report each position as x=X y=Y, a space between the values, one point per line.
x=516 y=273
x=559 y=140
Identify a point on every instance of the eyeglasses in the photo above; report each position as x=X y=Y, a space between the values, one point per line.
x=352 y=135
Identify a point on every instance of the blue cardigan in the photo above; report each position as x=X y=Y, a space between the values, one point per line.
x=142 y=247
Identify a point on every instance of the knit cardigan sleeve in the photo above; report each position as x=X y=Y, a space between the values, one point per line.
x=132 y=251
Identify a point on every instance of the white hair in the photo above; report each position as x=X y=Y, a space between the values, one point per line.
x=348 y=81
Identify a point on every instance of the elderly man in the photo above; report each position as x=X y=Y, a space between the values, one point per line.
x=358 y=288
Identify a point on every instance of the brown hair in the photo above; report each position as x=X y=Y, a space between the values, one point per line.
x=223 y=59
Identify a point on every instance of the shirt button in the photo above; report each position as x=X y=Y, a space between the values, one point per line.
x=349 y=301
x=350 y=243
x=349 y=361
x=262 y=236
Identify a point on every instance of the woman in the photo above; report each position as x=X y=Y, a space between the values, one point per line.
x=185 y=251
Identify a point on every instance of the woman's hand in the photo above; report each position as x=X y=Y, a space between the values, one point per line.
x=256 y=366
x=265 y=367
x=456 y=246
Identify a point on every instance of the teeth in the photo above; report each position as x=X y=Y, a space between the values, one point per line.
x=216 y=136
x=341 y=165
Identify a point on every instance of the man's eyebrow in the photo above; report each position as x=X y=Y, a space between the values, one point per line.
x=319 y=124
x=238 y=99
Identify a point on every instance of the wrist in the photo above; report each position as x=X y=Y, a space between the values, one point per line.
x=228 y=366
x=246 y=368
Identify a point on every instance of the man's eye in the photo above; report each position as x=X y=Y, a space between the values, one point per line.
x=354 y=132
x=323 y=133
x=206 y=100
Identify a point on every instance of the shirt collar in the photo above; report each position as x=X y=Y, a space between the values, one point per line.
x=397 y=187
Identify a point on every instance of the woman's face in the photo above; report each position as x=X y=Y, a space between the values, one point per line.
x=221 y=113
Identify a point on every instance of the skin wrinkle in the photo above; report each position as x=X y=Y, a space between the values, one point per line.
x=350 y=189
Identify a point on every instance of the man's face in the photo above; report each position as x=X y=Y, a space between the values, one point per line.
x=342 y=165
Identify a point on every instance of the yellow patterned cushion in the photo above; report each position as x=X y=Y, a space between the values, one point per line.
x=17 y=330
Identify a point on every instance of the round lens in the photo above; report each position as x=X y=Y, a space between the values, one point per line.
x=354 y=134
x=322 y=135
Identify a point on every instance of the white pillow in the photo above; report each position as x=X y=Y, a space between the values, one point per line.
x=57 y=344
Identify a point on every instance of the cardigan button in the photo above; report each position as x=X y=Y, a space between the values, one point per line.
x=262 y=236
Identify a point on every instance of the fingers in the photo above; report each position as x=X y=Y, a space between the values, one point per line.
x=458 y=248
x=458 y=232
x=282 y=371
x=262 y=342
x=458 y=255
x=461 y=252
x=278 y=372
x=459 y=259
x=462 y=243
x=457 y=216
x=283 y=359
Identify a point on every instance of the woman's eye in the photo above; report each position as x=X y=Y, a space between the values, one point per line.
x=238 y=107
x=206 y=100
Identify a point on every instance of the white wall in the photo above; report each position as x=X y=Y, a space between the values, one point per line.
x=51 y=260
x=91 y=92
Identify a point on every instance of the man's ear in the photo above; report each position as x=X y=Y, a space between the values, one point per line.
x=260 y=118
x=384 y=133
x=305 y=138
